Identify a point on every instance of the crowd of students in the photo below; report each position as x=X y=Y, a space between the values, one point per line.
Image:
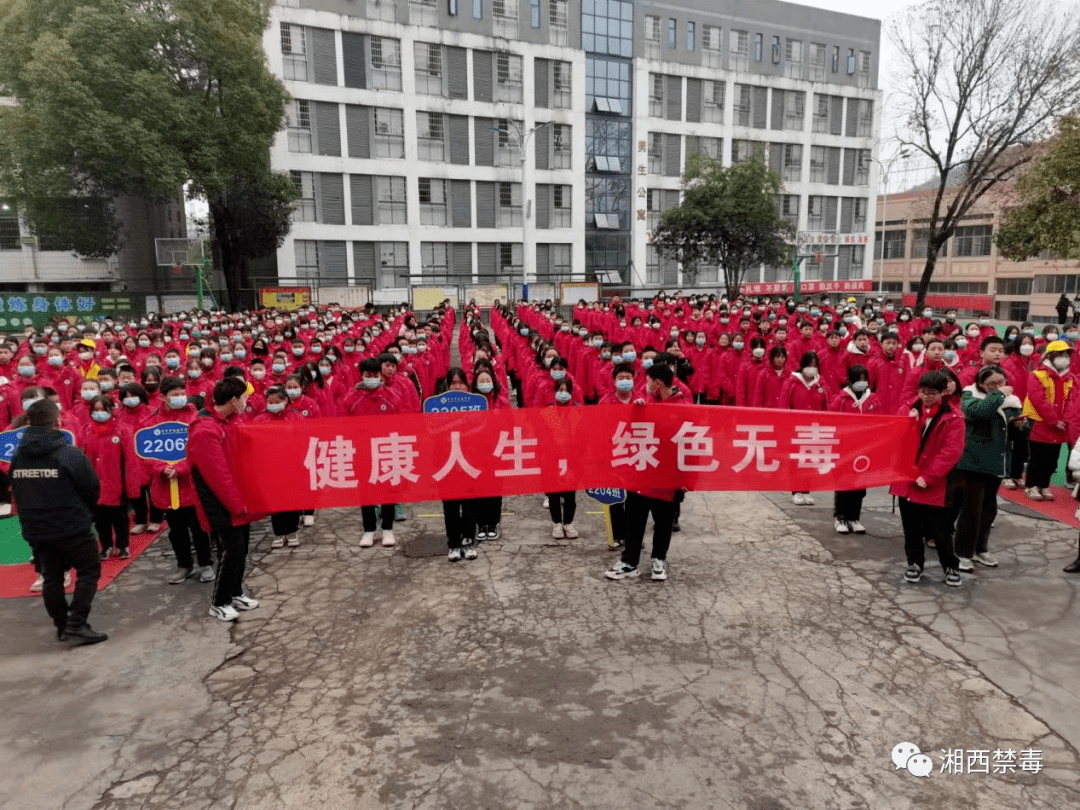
x=993 y=410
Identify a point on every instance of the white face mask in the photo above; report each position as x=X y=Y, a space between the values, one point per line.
x=1027 y=350
x=1062 y=363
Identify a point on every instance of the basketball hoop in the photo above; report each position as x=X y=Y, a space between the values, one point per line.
x=819 y=257
x=178 y=269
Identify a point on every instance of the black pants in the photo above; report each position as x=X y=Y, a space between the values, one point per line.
x=922 y=522
x=139 y=505
x=847 y=504
x=110 y=521
x=184 y=530
x=55 y=557
x=977 y=494
x=638 y=508
x=284 y=523
x=562 y=506
x=618 y=522
x=232 y=545
x=1018 y=440
x=367 y=513
x=1042 y=463
x=488 y=511
x=460 y=520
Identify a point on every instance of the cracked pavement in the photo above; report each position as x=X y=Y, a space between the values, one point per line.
x=774 y=670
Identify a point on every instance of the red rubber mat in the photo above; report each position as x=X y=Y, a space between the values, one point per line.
x=1061 y=509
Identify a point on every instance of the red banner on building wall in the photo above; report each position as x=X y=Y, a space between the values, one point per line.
x=807 y=287
x=351 y=461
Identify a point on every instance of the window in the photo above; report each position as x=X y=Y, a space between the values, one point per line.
x=389 y=133
x=652 y=37
x=1057 y=284
x=652 y=265
x=712 y=110
x=307 y=258
x=815 y=213
x=558 y=22
x=954 y=287
x=712 y=45
x=534 y=13
x=431 y=137
x=607 y=142
x=864 y=68
x=9 y=227
x=851 y=61
x=821 y=113
x=478 y=9
x=562 y=153
x=866 y=118
x=656 y=95
x=423 y=12
x=294 y=51
x=793 y=58
x=299 y=126
x=792 y=157
x=505 y=15
x=972 y=240
x=742 y=105
x=435 y=262
x=385 y=10
x=429 y=69
x=789 y=208
x=776 y=50
x=1016 y=311
x=509 y=205
x=654 y=205
x=390 y=197
x=560 y=260
x=393 y=264
x=859 y=220
x=385 y=63
x=818 y=159
x=607 y=85
x=508 y=77
x=835 y=58
x=672 y=35
x=560 y=84
x=890 y=245
x=656 y=153
x=452 y=7
x=304 y=207
x=510 y=254
x=862 y=168
x=817 y=62
x=433 y=194
x=1014 y=286
x=794 y=109
x=508 y=152
x=739 y=47
x=607 y=253
x=759 y=43
x=920 y=245
x=561 y=207
x=712 y=147
x=741 y=151
x=690 y=44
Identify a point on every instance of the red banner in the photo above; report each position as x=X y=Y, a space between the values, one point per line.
x=351 y=461
x=807 y=287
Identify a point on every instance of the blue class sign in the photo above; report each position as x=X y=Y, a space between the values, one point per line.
x=455 y=402
x=9 y=442
x=165 y=442
x=607 y=496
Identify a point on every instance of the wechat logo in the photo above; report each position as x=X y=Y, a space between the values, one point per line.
x=907 y=755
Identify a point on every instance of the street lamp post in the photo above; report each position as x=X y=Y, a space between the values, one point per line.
x=885 y=169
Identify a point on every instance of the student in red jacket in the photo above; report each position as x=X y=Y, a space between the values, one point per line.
x=1020 y=360
x=923 y=508
x=887 y=373
x=374 y=399
x=855 y=397
x=562 y=505
x=771 y=380
x=1050 y=389
x=211 y=450
x=108 y=445
x=286 y=525
x=488 y=511
x=803 y=390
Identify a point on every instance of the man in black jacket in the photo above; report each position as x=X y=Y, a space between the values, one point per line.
x=55 y=489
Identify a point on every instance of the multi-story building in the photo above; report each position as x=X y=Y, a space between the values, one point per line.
x=970 y=274
x=456 y=142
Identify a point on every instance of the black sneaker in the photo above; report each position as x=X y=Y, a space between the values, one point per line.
x=82 y=635
x=481 y=534
x=124 y=554
x=952 y=578
x=104 y=555
x=493 y=532
x=913 y=573
x=675 y=526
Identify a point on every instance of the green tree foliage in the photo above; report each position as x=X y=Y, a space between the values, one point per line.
x=1048 y=193
x=728 y=218
x=142 y=97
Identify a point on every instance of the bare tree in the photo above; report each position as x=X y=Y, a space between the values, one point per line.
x=981 y=79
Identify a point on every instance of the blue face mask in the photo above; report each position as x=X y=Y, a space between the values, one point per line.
x=524 y=332
x=241 y=353
x=194 y=373
x=26 y=371
x=624 y=385
x=56 y=362
x=629 y=357
x=557 y=373
x=172 y=362
x=562 y=397
x=485 y=388
x=647 y=362
x=100 y=416
x=177 y=402
x=275 y=407
x=278 y=368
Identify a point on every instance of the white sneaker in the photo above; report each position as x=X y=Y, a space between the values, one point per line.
x=798 y=499
x=454 y=554
x=206 y=574
x=244 y=602
x=807 y=500
x=292 y=540
x=388 y=538
x=1047 y=495
x=224 y=613
x=277 y=542
x=470 y=552
x=368 y=540
x=5 y=509
x=138 y=528
x=965 y=565
x=37 y=584
x=558 y=532
x=153 y=527
x=547 y=503
x=982 y=558
x=659 y=570
x=309 y=520
x=570 y=531
x=841 y=526
x=857 y=527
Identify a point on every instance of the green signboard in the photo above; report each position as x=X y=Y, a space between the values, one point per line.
x=18 y=310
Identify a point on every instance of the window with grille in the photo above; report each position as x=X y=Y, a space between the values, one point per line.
x=815 y=213
x=1057 y=284
x=423 y=12
x=1014 y=286
x=793 y=58
x=508 y=152
x=561 y=207
x=393 y=265
x=712 y=147
x=656 y=95
x=789 y=207
x=712 y=45
x=385 y=63
x=742 y=105
x=561 y=81
x=858 y=223
x=385 y=10
x=390 y=194
x=656 y=153
x=510 y=257
x=509 y=205
x=654 y=206
x=741 y=150
x=818 y=159
x=862 y=168
x=864 y=68
x=429 y=69
x=652 y=265
x=508 y=77
x=821 y=113
x=307 y=258
x=505 y=15
x=792 y=158
x=304 y=207
x=431 y=137
x=9 y=227
x=972 y=240
x=712 y=109
x=818 y=56
x=299 y=125
x=562 y=152
x=432 y=198
x=652 y=37
x=560 y=259
x=739 y=45
x=890 y=245
x=435 y=262
x=389 y=133
x=794 y=109
x=557 y=20
x=294 y=52
x=866 y=118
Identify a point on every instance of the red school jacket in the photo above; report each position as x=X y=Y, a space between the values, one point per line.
x=211 y=451
x=160 y=490
x=942 y=443
x=110 y=449
x=800 y=394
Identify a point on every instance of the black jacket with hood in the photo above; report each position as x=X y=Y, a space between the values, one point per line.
x=54 y=487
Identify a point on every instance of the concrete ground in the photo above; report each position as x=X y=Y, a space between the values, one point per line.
x=777 y=668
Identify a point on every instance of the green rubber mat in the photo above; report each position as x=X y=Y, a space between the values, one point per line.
x=13 y=549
